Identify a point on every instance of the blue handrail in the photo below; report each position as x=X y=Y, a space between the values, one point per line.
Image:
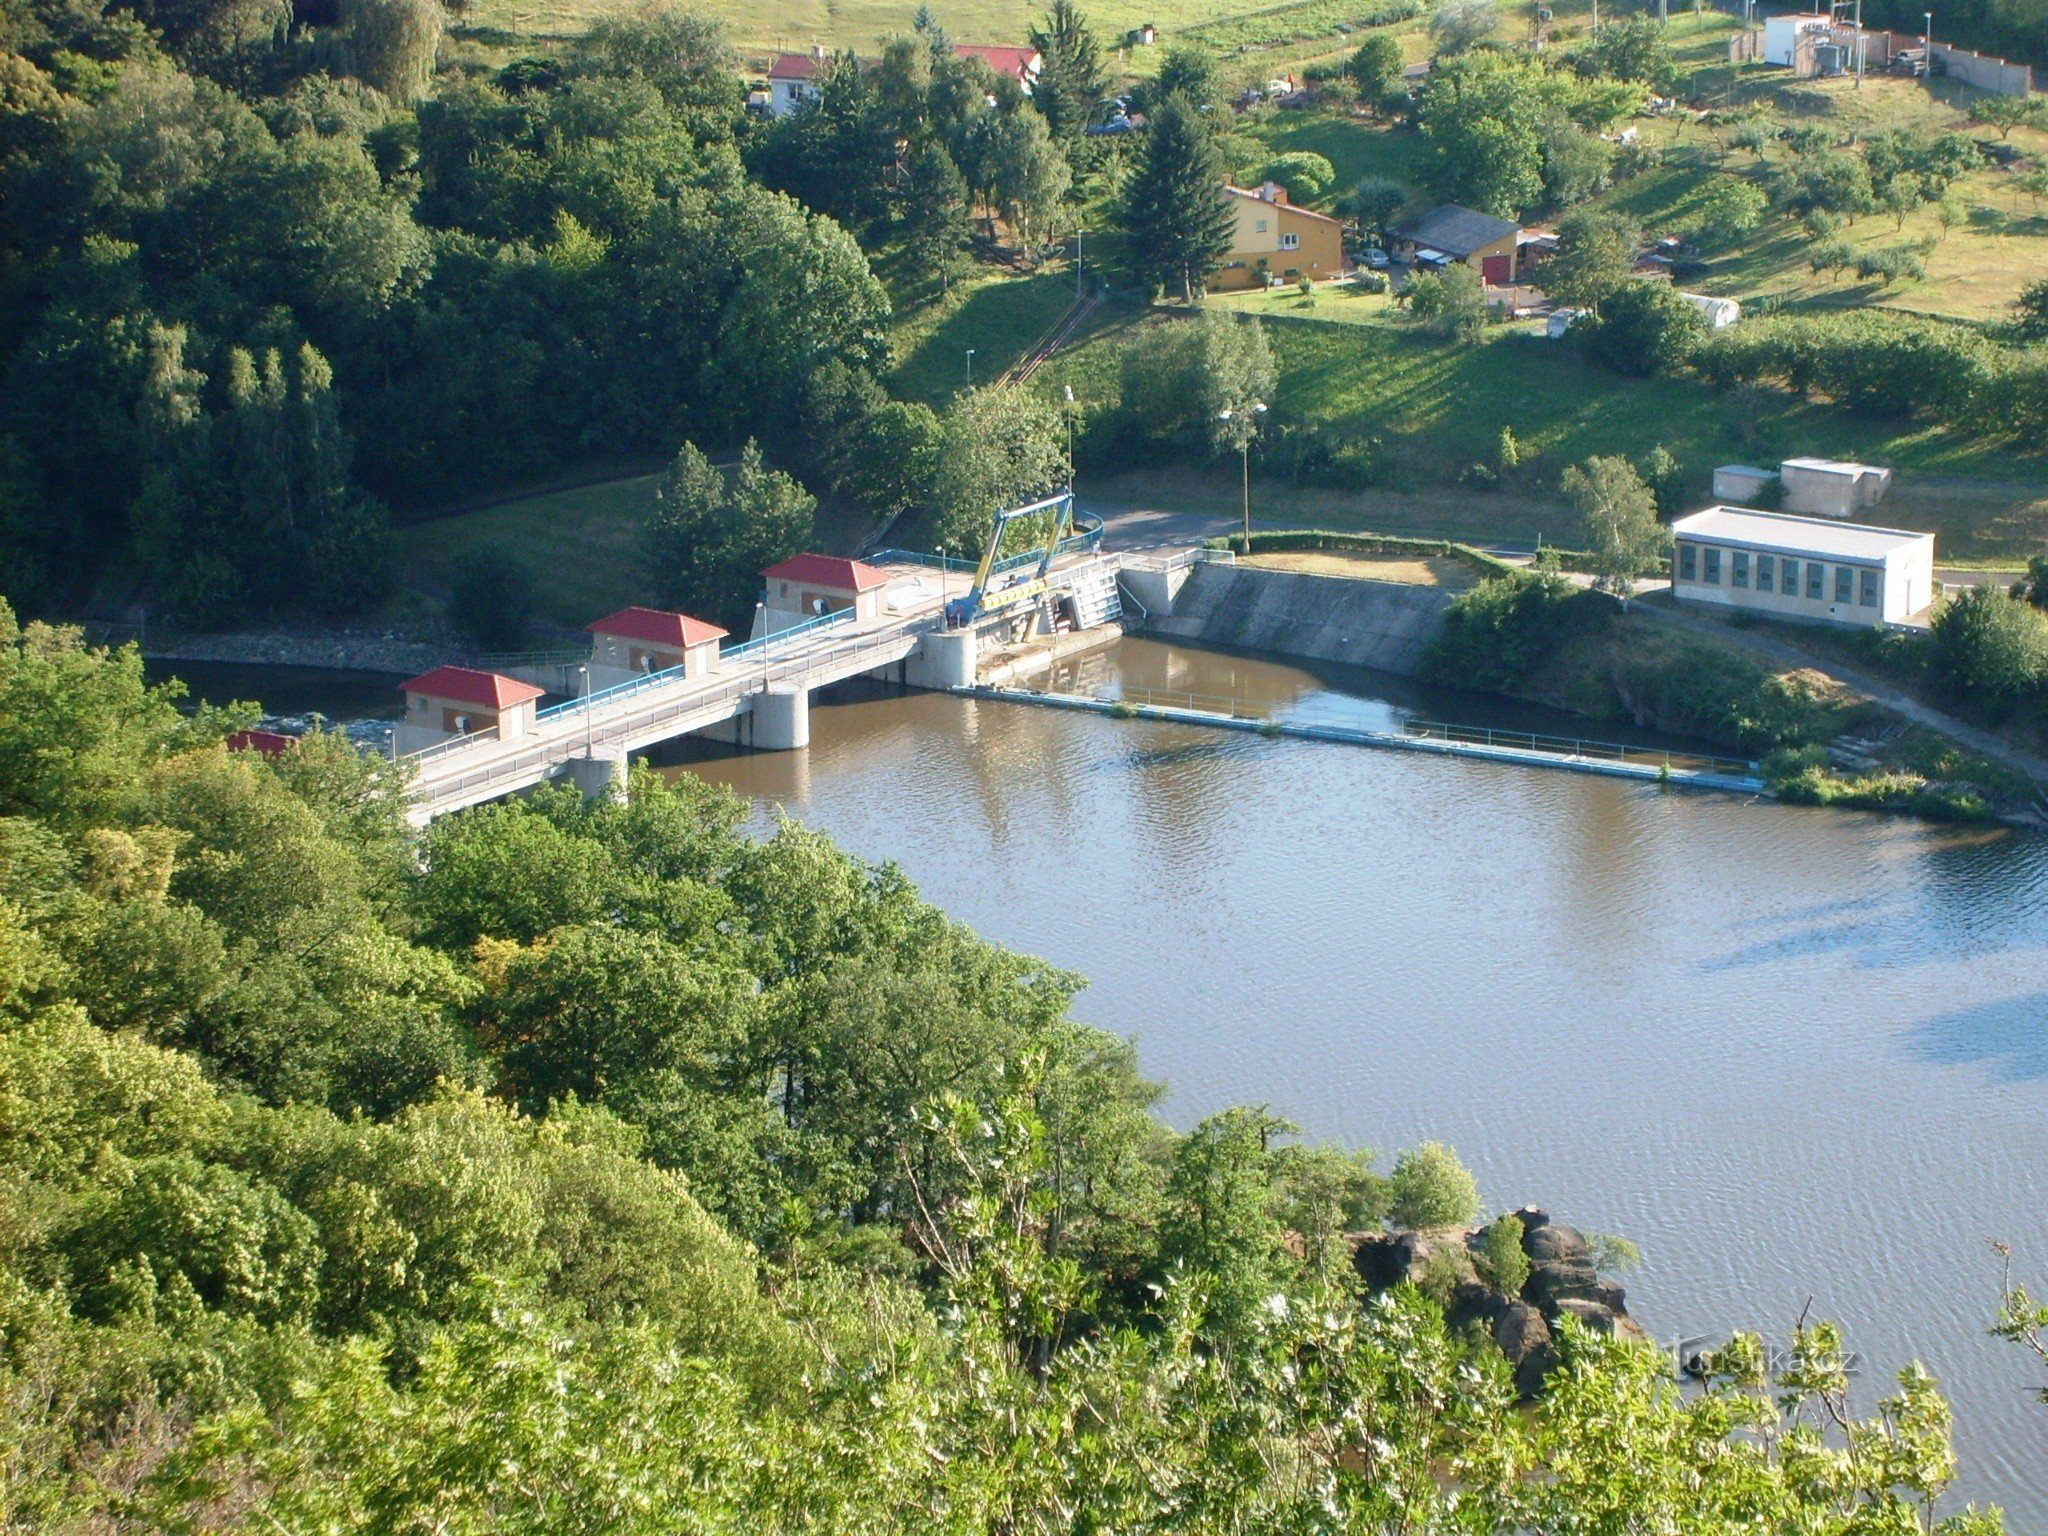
x=822 y=621
x=674 y=674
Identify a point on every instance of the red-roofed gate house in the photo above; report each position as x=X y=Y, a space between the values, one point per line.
x=461 y=701
x=806 y=587
x=636 y=641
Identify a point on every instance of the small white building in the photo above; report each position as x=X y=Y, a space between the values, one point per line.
x=807 y=587
x=1832 y=488
x=1740 y=482
x=1716 y=312
x=1782 y=34
x=461 y=701
x=793 y=81
x=635 y=642
x=1802 y=568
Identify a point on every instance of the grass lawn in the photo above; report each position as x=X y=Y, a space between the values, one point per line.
x=999 y=315
x=1430 y=411
x=578 y=544
x=1338 y=302
x=1974 y=271
x=761 y=29
x=1444 y=571
x=1356 y=147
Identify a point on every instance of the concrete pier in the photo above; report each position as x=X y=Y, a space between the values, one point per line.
x=782 y=718
x=600 y=775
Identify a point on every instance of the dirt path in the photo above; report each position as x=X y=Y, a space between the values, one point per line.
x=1784 y=654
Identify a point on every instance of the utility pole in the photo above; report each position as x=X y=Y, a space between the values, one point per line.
x=1859 y=44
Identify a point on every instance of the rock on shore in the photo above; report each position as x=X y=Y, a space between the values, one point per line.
x=1563 y=1282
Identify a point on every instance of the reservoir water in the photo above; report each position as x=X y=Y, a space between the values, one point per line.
x=1799 y=1056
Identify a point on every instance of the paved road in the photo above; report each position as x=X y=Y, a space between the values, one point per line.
x=1782 y=653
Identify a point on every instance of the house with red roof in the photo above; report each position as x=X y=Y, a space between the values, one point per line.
x=635 y=642
x=267 y=743
x=461 y=701
x=793 y=79
x=1020 y=64
x=807 y=587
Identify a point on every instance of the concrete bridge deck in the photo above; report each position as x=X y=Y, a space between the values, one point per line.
x=588 y=739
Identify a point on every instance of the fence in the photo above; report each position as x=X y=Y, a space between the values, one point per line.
x=1573 y=746
x=1182 y=698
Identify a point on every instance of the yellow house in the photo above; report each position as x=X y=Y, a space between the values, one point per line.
x=1276 y=239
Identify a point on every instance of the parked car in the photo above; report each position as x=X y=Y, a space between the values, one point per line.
x=1376 y=259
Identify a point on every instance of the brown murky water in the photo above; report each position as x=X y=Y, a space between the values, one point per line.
x=1793 y=1053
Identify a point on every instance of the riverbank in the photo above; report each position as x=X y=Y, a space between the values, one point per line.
x=1820 y=738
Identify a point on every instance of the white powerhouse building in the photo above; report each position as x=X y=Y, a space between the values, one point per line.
x=1801 y=567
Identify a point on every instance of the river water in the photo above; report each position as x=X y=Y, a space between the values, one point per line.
x=1799 y=1056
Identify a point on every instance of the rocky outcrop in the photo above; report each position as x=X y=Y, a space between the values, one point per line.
x=1563 y=1282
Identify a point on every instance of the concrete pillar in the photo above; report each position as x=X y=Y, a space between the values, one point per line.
x=782 y=718
x=601 y=775
x=944 y=660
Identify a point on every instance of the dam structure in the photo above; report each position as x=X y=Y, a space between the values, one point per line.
x=471 y=736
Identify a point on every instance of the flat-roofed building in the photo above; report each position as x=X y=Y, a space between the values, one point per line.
x=1832 y=487
x=1804 y=568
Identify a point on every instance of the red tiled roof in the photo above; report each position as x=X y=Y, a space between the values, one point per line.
x=796 y=66
x=269 y=743
x=466 y=685
x=656 y=627
x=834 y=571
x=1004 y=61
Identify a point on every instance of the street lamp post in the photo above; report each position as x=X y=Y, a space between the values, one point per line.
x=583 y=672
x=1077 y=262
x=970 y=367
x=1069 y=389
x=1244 y=436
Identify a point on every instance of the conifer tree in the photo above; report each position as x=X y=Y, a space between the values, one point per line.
x=1070 y=80
x=1176 y=222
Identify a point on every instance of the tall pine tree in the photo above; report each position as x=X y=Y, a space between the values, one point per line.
x=1177 y=224
x=1070 y=80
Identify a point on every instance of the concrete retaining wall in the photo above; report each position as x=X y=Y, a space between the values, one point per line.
x=1381 y=624
x=1987 y=74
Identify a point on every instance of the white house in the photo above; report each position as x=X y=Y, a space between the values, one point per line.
x=1782 y=34
x=1803 y=568
x=1832 y=488
x=793 y=81
x=635 y=642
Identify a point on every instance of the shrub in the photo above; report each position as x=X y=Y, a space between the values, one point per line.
x=1497 y=634
x=1431 y=1188
x=1642 y=328
x=1450 y=304
x=1304 y=174
x=1500 y=1259
x=1989 y=648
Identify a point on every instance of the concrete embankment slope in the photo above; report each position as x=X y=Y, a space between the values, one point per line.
x=1381 y=624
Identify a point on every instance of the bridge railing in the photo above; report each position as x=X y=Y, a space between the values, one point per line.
x=823 y=621
x=528 y=764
